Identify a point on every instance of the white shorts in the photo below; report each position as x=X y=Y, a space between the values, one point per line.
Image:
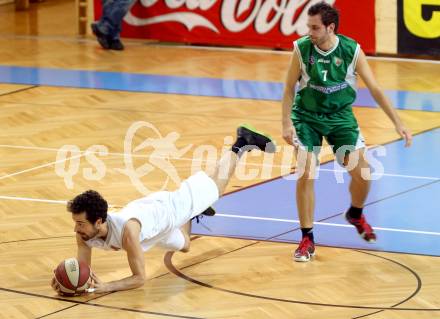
x=194 y=195
x=175 y=241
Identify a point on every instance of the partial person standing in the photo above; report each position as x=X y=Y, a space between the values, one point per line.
x=326 y=65
x=107 y=29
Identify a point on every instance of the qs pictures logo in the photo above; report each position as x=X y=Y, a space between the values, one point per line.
x=422 y=17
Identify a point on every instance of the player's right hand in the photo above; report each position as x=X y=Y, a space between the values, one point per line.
x=56 y=286
x=289 y=133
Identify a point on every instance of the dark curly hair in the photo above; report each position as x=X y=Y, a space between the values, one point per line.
x=328 y=14
x=90 y=202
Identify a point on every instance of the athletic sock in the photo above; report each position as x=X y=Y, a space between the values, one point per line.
x=354 y=212
x=307 y=232
x=239 y=143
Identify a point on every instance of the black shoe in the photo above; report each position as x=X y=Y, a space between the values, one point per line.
x=207 y=212
x=256 y=139
x=116 y=45
x=101 y=37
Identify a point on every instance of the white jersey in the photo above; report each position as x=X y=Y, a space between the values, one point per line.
x=161 y=215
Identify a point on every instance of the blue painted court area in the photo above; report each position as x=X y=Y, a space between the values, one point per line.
x=402 y=206
x=136 y=82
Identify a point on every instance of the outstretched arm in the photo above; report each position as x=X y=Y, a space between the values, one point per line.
x=367 y=76
x=135 y=256
x=292 y=77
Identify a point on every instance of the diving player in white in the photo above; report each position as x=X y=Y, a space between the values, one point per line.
x=162 y=218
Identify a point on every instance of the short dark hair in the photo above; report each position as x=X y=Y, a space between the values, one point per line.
x=90 y=202
x=328 y=14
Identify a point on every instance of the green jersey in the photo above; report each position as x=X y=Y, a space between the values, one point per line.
x=328 y=80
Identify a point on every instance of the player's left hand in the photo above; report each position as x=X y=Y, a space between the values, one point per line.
x=405 y=134
x=97 y=286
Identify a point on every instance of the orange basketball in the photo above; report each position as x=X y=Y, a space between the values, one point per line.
x=72 y=276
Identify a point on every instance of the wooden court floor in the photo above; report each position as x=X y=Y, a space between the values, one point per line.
x=219 y=277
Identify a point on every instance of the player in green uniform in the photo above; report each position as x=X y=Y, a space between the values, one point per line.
x=326 y=65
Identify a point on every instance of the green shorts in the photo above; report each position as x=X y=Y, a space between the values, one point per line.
x=340 y=129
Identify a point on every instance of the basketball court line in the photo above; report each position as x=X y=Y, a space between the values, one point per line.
x=35 y=239
x=232 y=215
x=239 y=293
x=180 y=274
x=386 y=192
x=86 y=303
x=252 y=217
x=34 y=200
x=170 y=266
x=327 y=224
x=189 y=159
x=40 y=166
x=279 y=237
x=195 y=86
x=58 y=311
x=293 y=221
x=174 y=270
x=321 y=222
x=302 y=302
x=19 y=90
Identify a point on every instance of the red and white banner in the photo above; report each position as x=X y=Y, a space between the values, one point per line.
x=268 y=23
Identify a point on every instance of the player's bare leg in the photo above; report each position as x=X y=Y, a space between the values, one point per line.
x=360 y=178
x=305 y=198
x=248 y=138
x=359 y=171
x=186 y=231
